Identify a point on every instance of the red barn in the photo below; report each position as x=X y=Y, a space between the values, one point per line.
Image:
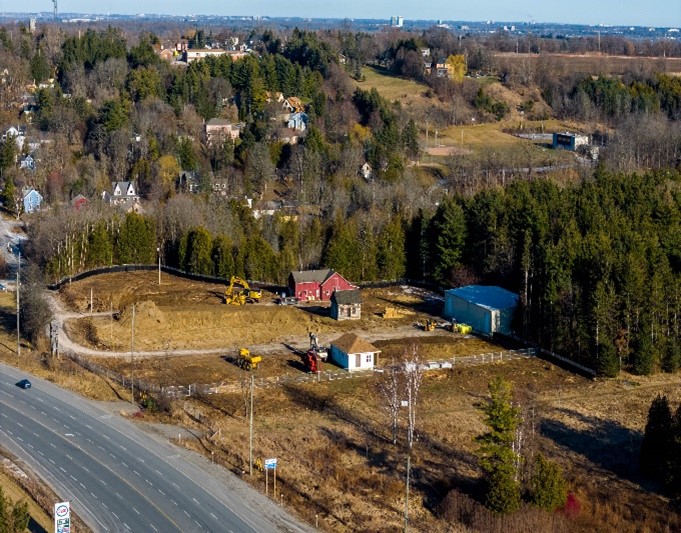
x=317 y=284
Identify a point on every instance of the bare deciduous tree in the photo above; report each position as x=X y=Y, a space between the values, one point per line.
x=413 y=378
x=389 y=387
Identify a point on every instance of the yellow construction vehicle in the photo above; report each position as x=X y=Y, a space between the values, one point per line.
x=248 y=361
x=239 y=292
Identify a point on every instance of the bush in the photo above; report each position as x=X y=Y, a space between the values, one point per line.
x=547 y=486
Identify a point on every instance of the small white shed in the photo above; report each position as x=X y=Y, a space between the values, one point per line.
x=353 y=353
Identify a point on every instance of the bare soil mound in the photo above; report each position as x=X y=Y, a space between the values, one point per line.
x=147 y=315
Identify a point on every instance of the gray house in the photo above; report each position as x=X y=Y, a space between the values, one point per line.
x=346 y=305
x=32 y=200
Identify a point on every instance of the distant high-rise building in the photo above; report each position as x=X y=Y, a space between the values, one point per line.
x=400 y=22
x=393 y=20
x=31 y=25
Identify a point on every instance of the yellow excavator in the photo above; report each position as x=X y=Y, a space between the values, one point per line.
x=239 y=292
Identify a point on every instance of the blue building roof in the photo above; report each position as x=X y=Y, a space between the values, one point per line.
x=489 y=297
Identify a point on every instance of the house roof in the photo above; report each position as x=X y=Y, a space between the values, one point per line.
x=351 y=343
x=312 y=276
x=28 y=190
x=347 y=297
x=489 y=297
x=218 y=122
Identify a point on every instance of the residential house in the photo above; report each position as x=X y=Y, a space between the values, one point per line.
x=27 y=163
x=569 y=141
x=287 y=136
x=78 y=202
x=354 y=353
x=122 y=193
x=297 y=121
x=293 y=105
x=346 y=305
x=220 y=186
x=193 y=54
x=167 y=54
x=188 y=181
x=32 y=200
x=19 y=134
x=317 y=284
x=220 y=129
x=425 y=52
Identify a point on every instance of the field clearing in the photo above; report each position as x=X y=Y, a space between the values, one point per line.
x=594 y=63
x=337 y=432
x=183 y=314
x=409 y=93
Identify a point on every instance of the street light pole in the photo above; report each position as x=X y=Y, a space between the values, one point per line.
x=158 y=251
x=132 y=352
x=250 y=431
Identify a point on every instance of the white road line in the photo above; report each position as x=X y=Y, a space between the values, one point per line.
x=43 y=413
x=88 y=426
x=30 y=446
x=161 y=492
x=152 y=527
x=52 y=444
x=127 y=526
x=20 y=439
x=84 y=468
x=41 y=453
x=93 y=495
x=123 y=447
x=81 y=484
x=173 y=501
x=71 y=458
x=135 y=510
x=102 y=482
x=150 y=483
x=214 y=516
x=51 y=461
x=185 y=512
x=112 y=455
x=105 y=506
x=121 y=497
x=60 y=468
x=3 y=414
x=113 y=513
x=159 y=473
x=107 y=437
x=136 y=472
x=197 y=501
x=126 y=466
x=73 y=478
x=175 y=484
x=100 y=448
x=6 y=393
x=197 y=524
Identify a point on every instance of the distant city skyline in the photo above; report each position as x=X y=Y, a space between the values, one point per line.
x=665 y=13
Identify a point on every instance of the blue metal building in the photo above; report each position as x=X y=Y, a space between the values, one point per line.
x=487 y=309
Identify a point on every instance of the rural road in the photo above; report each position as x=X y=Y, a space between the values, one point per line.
x=119 y=478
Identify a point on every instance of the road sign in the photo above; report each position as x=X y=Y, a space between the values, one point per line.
x=62 y=517
x=270 y=464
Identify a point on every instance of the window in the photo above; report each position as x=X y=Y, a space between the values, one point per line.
x=369 y=358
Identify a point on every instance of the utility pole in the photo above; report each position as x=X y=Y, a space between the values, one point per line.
x=132 y=356
x=158 y=251
x=250 y=431
x=18 y=314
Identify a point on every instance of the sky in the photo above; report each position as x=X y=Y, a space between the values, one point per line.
x=664 y=13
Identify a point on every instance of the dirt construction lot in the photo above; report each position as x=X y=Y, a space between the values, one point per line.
x=336 y=460
x=182 y=314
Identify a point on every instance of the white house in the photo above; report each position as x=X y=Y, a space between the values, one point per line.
x=353 y=353
x=122 y=192
x=32 y=200
x=297 y=121
x=366 y=171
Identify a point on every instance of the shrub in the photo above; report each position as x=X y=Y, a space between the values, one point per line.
x=547 y=486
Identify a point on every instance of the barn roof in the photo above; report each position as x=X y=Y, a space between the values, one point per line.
x=307 y=276
x=489 y=297
x=351 y=343
x=347 y=297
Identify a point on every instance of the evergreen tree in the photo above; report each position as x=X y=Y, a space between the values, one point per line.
x=547 y=486
x=449 y=236
x=100 y=248
x=497 y=458
x=198 y=259
x=643 y=353
x=657 y=438
x=223 y=256
x=136 y=242
x=390 y=257
x=671 y=360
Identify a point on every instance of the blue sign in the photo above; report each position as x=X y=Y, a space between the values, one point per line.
x=271 y=464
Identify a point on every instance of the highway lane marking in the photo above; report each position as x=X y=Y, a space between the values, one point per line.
x=121 y=446
x=112 y=455
x=121 y=497
x=127 y=526
x=89 y=441
x=150 y=483
x=140 y=459
x=41 y=453
x=20 y=439
x=70 y=458
x=81 y=484
x=197 y=524
x=98 y=446
x=107 y=437
x=3 y=415
x=88 y=426
x=72 y=417
x=93 y=495
x=125 y=465
x=161 y=492
x=174 y=501
x=175 y=484
x=185 y=512
x=6 y=393
x=102 y=482
x=105 y=506
x=51 y=444
x=136 y=472
x=43 y=413
x=135 y=510
x=152 y=527
x=84 y=468
x=51 y=461
x=30 y=445
x=159 y=473
x=214 y=516
x=20 y=424
x=34 y=433
x=197 y=501
x=113 y=513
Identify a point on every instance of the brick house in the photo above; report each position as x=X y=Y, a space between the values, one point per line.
x=317 y=284
x=346 y=305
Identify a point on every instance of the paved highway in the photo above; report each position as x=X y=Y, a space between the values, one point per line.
x=117 y=477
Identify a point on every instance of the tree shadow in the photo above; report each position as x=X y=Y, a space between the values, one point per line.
x=606 y=443
x=315 y=310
